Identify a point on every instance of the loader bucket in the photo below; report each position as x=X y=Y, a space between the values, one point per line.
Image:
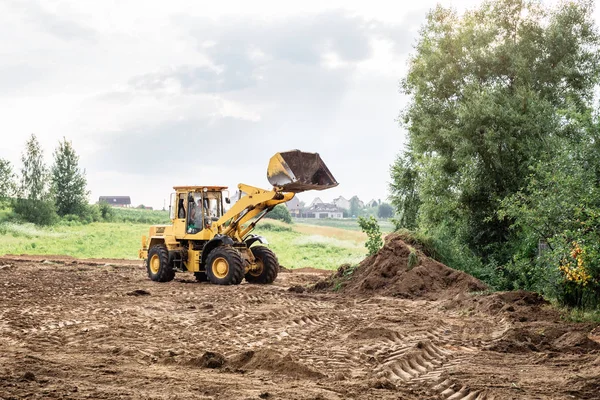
x=296 y=171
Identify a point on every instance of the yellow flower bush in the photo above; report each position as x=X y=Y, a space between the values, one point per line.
x=575 y=269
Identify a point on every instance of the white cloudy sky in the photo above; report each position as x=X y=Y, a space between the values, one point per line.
x=155 y=94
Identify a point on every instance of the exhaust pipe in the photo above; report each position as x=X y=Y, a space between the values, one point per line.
x=296 y=171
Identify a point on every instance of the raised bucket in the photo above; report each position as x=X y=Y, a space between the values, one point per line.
x=296 y=171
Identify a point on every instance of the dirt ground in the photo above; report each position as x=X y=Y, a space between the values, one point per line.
x=100 y=329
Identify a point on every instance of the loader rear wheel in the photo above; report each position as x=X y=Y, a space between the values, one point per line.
x=224 y=266
x=268 y=266
x=157 y=264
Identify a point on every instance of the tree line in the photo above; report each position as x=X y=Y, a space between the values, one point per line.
x=502 y=166
x=42 y=194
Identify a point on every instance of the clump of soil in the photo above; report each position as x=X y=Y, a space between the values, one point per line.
x=402 y=271
x=208 y=360
x=270 y=360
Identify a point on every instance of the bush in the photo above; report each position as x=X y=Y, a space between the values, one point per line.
x=106 y=211
x=39 y=212
x=371 y=228
x=281 y=213
x=267 y=226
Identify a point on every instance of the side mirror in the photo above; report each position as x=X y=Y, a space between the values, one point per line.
x=227 y=200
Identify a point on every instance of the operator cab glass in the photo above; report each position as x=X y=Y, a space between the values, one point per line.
x=204 y=207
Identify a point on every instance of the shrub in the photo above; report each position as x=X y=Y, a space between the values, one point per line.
x=371 y=228
x=106 y=211
x=281 y=213
x=39 y=212
x=267 y=226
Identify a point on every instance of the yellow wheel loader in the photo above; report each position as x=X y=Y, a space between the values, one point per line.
x=218 y=245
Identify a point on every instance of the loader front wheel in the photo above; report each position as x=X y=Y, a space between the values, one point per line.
x=267 y=263
x=157 y=264
x=224 y=266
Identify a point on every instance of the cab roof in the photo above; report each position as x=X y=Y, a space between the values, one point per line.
x=199 y=188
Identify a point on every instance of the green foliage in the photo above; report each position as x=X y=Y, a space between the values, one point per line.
x=34 y=204
x=404 y=191
x=384 y=210
x=40 y=212
x=503 y=146
x=560 y=208
x=281 y=213
x=347 y=224
x=486 y=92
x=107 y=213
x=33 y=172
x=68 y=183
x=371 y=228
x=267 y=226
x=354 y=207
x=8 y=185
x=137 y=216
x=413 y=260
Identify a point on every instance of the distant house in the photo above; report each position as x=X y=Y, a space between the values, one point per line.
x=116 y=201
x=372 y=203
x=341 y=202
x=294 y=207
x=323 y=210
x=316 y=201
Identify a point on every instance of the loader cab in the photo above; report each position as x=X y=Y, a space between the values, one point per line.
x=194 y=208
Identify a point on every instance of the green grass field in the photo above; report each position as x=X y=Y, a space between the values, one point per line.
x=350 y=224
x=296 y=245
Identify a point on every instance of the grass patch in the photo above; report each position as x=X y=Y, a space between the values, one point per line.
x=297 y=250
x=97 y=240
x=581 y=315
x=347 y=223
x=122 y=240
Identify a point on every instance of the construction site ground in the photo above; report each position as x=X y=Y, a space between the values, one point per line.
x=100 y=329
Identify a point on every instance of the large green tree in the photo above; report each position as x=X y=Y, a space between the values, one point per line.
x=489 y=91
x=68 y=181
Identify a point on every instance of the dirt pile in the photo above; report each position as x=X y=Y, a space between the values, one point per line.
x=403 y=271
x=270 y=360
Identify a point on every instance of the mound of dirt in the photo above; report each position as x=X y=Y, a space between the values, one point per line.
x=400 y=270
x=270 y=360
x=208 y=360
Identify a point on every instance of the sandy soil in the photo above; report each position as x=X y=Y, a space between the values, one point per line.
x=99 y=331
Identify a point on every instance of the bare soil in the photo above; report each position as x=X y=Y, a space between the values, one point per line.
x=100 y=329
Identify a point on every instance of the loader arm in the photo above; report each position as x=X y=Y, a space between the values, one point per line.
x=256 y=203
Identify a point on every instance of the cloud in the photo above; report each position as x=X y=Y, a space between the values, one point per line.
x=52 y=23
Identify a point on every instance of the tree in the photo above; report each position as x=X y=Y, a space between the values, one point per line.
x=68 y=181
x=34 y=203
x=385 y=211
x=404 y=191
x=488 y=94
x=354 y=207
x=33 y=172
x=8 y=186
x=370 y=226
x=281 y=213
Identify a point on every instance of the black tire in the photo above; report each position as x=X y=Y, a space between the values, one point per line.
x=157 y=264
x=224 y=266
x=269 y=262
x=201 y=276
